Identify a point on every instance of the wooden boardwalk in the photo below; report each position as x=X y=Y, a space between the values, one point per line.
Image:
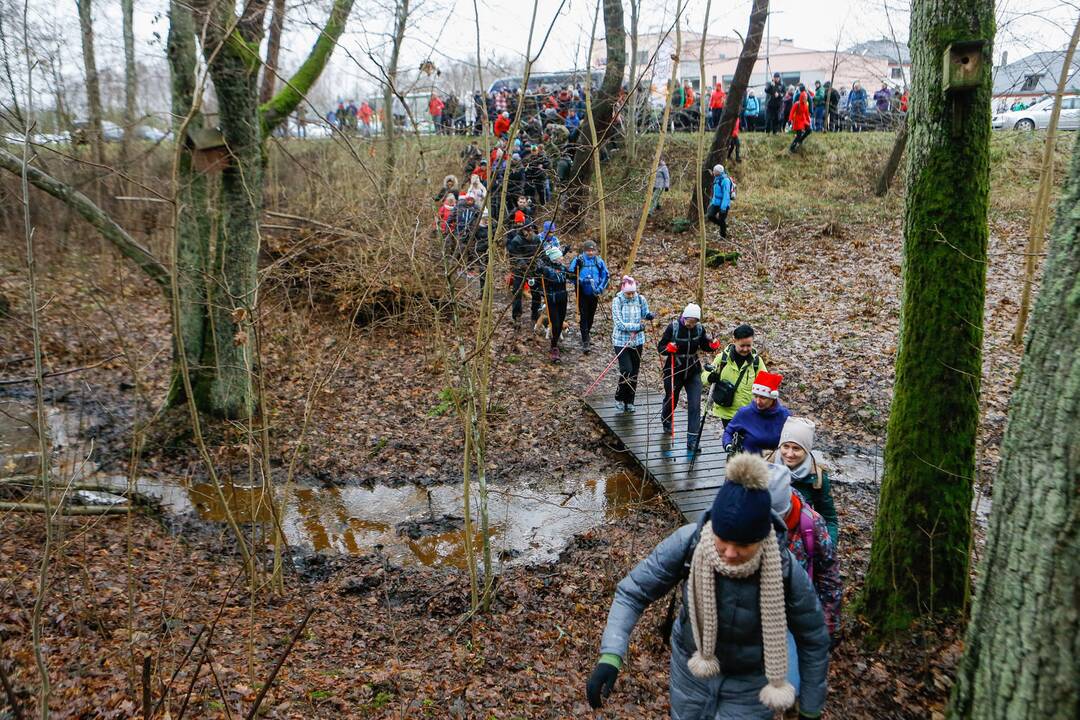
x=664 y=458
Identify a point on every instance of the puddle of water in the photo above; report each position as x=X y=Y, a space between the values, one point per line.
x=526 y=524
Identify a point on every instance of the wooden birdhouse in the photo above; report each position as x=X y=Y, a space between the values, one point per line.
x=962 y=65
x=209 y=150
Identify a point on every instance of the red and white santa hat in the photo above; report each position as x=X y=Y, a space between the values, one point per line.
x=767 y=384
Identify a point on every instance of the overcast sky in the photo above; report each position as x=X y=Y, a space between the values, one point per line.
x=444 y=29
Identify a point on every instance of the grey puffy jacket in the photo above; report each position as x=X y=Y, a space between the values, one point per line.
x=738 y=642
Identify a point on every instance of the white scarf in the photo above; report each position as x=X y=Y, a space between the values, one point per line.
x=778 y=693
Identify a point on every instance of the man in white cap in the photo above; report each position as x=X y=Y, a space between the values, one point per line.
x=678 y=347
x=721 y=199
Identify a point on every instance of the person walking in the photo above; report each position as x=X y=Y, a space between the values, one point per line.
x=733 y=373
x=819 y=107
x=761 y=422
x=435 y=110
x=716 y=106
x=721 y=199
x=774 y=105
x=800 y=118
x=810 y=544
x=734 y=143
x=661 y=185
x=678 y=347
x=742 y=593
x=553 y=286
x=856 y=103
x=808 y=477
x=629 y=311
x=591 y=280
x=523 y=247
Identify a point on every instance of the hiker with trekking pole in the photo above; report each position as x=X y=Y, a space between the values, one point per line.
x=591 y=280
x=732 y=374
x=629 y=312
x=553 y=286
x=742 y=593
x=679 y=346
x=762 y=421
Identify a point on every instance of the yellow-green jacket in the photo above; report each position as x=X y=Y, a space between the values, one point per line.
x=730 y=372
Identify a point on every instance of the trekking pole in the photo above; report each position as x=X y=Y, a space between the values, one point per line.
x=604 y=372
x=671 y=348
x=701 y=424
x=547 y=307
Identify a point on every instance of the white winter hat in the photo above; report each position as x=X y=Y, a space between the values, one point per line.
x=717 y=169
x=692 y=311
x=800 y=431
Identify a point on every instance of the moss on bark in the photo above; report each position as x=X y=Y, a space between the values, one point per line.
x=921 y=543
x=1023 y=642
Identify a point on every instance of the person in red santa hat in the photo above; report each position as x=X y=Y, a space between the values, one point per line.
x=761 y=422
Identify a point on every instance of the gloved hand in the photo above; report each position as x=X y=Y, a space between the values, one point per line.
x=649 y=316
x=714 y=377
x=600 y=684
x=672 y=348
x=714 y=345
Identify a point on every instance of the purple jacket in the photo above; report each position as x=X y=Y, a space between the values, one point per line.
x=762 y=428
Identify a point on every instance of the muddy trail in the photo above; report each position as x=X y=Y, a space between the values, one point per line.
x=369 y=470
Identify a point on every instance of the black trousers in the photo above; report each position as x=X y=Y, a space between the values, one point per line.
x=518 y=287
x=718 y=216
x=629 y=365
x=774 y=119
x=799 y=137
x=556 y=309
x=586 y=313
x=733 y=147
x=673 y=386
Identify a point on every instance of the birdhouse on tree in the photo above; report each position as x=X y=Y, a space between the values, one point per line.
x=962 y=61
x=209 y=150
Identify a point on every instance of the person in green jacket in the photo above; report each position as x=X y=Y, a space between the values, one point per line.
x=738 y=364
x=808 y=477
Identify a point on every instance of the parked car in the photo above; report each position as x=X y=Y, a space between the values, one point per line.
x=1038 y=115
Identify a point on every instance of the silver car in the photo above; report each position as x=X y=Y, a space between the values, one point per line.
x=1038 y=115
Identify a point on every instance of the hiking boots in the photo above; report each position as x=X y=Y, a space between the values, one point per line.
x=586 y=346
x=630 y=407
x=620 y=406
x=555 y=355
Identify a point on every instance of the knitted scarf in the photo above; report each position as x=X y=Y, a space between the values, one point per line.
x=778 y=693
x=803 y=470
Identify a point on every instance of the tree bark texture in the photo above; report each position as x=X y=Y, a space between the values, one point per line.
x=127 y=10
x=195 y=209
x=892 y=164
x=1023 y=640
x=922 y=536
x=634 y=94
x=93 y=86
x=604 y=113
x=759 y=13
x=401 y=17
x=273 y=51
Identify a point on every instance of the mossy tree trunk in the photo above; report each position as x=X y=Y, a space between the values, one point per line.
x=759 y=13
x=1023 y=641
x=604 y=113
x=922 y=535
x=219 y=274
x=193 y=197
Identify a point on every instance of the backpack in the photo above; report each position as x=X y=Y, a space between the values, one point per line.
x=734 y=189
x=723 y=392
x=588 y=271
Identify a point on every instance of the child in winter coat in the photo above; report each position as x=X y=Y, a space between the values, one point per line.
x=661 y=185
x=629 y=311
x=553 y=285
x=809 y=542
x=808 y=477
x=444 y=221
x=591 y=279
x=450 y=185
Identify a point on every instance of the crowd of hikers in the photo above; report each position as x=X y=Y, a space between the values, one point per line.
x=759 y=572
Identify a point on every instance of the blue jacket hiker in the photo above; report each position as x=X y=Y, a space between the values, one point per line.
x=742 y=597
x=592 y=279
x=721 y=199
x=629 y=311
x=760 y=423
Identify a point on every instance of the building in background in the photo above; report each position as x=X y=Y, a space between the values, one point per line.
x=870 y=63
x=1031 y=78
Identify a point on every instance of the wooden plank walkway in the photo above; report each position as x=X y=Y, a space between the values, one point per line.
x=663 y=458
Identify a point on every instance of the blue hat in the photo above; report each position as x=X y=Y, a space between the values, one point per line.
x=741 y=511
